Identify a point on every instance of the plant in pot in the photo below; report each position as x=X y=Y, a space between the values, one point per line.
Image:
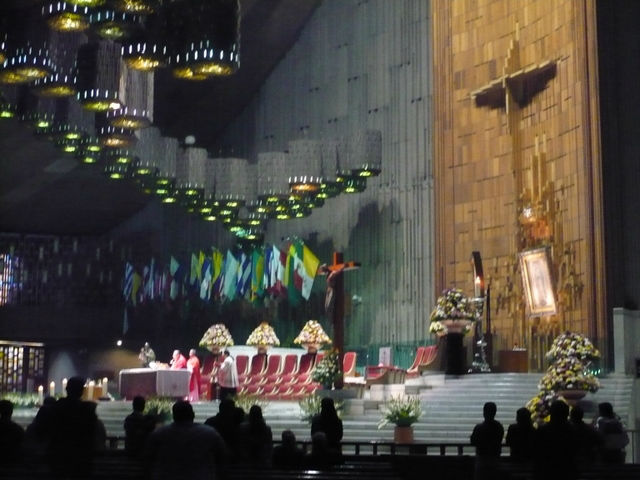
x=327 y=371
x=402 y=411
x=216 y=338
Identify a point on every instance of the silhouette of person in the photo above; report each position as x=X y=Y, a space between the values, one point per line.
x=37 y=434
x=147 y=355
x=288 y=455
x=487 y=438
x=555 y=446
x=11 y=434
x=75 y=432
x=327 y=421
x=226 y=423
x=178 y=361
x=137 y=427
x=228 y=376
x=614 y=436
x=520 y=436
x=255 y=439
x=587 y=438
x=322 y=456
x=193 y=365
x=184 y=449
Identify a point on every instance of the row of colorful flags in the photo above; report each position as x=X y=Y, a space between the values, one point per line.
x=218 y=276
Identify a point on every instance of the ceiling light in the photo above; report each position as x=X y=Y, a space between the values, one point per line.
x=3 y=49
x=87 y=3
x=27 y=65
x=136 y=6
x=66 y=17
x=129 y=118
x=112 y=25
x=116 y=171
x=305 y=184
x=113 y=137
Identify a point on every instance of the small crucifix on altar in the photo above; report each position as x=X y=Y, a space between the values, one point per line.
x=334 y=302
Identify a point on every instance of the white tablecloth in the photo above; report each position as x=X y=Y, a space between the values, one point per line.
x=149 y=382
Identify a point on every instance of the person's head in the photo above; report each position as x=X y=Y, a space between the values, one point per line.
x=523 y=416
x=192 y=352
x=138 y=403
x=288 y=438
x=176 y=354
x=605 y=409
x=75 y=387
x=577 y=414
x=327 y=407
x=255 y=415
x=227 y=406
x=146 y=345
x=6 y=409
x=559 y=412
x=183 y=412
x=226 y=353
x=489 y=411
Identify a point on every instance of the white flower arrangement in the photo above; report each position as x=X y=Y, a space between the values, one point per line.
x=217 y=335
x=312 y=332
x=263 y=335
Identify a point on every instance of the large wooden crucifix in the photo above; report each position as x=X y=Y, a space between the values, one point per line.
x=334 y=303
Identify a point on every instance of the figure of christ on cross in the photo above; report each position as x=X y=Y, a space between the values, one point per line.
x=334 y=302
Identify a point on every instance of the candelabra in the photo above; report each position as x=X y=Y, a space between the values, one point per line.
x=479 y=364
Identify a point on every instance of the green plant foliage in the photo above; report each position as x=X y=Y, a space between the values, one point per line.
x=310 y=406
x=160 y=407
x=246 y=400
x=402 y=411
x=328 y=370
x=22 y=400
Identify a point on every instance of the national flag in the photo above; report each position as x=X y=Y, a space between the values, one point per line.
x=266 y=274
x=230 y=280
x=177 y=273
x=217 y=260
x=128 y=281
x=205 y=286
x=194 y=277
x=306 y=269
x=150 y=280
x=257 y=274
x=292 y=282
x=135 y=289
x=244 y=275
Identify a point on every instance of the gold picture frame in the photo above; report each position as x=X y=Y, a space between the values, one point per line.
x=537 y=281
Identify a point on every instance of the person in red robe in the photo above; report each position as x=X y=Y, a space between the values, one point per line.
x=193 y=365
x=178 y=361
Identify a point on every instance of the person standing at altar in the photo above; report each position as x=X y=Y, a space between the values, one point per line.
x=487 y=438
x=178 y=361
x=228 y=376
x=147 y=355
x=193 y=365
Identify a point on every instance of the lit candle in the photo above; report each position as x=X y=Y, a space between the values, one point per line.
x=92 y=384
x=40 y=394
x=52 y=389
x=64 y=387
x=476 y=287
x=105 y=387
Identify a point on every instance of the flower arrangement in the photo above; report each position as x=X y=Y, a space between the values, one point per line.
x=22 y=400
x=452 y=307
x=246 y=400
x=328 y=370
x=570 y=356
x=263 y=335
x=312 y=332
x=402 y=411
x=573 y=345
x=311 y=404
x=217 y=335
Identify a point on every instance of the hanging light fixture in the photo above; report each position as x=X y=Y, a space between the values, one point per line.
x=143 y=7
x=146 y=149
x=3 y=48
x=165 y=161
x=99 y=75
x=87 y=3
x=112 y=25
x=113 y=137
x=365 y=153
x=138 y=97
x=63 y=49
x=7 y=110
x=305 y=162
x=146 y=50
x=116 y=171
x=26 y=65
x=190 y=174
x=66 y=16
x=235 y=181
x=206 y=38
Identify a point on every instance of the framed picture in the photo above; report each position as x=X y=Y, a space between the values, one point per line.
x=537 y=281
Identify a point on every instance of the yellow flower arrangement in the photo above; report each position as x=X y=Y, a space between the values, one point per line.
x=312 y=332
x=217 y=335
x=263 y=335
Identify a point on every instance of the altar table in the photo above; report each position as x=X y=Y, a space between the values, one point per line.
x=148 y=382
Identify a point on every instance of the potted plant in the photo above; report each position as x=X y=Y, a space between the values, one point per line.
x=327 y=371
x=453 y=313
x=263 y=337
x=403 y=411
x=312 y=336
x=311 y=405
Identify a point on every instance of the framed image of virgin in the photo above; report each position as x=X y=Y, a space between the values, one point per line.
x=537 y=282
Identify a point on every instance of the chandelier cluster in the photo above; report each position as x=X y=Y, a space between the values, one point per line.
x=85 y=81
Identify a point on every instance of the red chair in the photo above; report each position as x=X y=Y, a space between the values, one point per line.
x=289 y=368
x=349 y=364
x=274 y=366
x=430 y=359
x=319 y=357
x=306 y=363
x=257 y=367
x=207 y=374
x=413 y=371
x=242 y=364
